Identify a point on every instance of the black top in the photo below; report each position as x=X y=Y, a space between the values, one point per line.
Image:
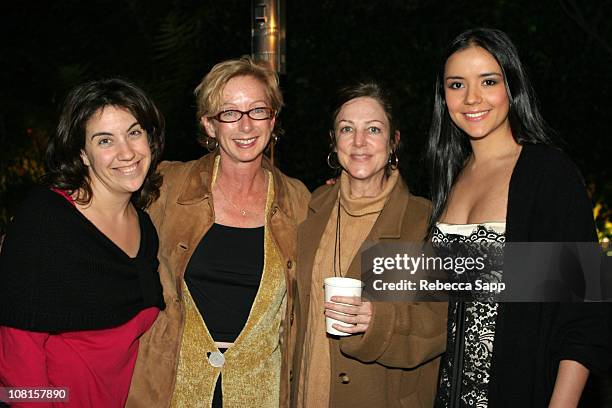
x=547 y=202
x=58 y=272
x=465 y=369
x=223 y=277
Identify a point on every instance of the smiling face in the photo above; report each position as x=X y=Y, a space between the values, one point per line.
x=362 y=138
x=116 y=152
x=245 y=140
x=475 y=93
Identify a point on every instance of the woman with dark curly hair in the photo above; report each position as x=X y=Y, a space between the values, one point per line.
x=79 y=263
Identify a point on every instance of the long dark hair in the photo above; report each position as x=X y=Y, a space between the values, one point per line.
x=65 y=168
x=448 y=146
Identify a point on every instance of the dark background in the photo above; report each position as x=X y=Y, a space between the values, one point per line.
x=166 y=47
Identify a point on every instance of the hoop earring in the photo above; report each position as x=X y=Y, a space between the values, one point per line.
x=393 y=160
x=330 y=158
x=211 y=144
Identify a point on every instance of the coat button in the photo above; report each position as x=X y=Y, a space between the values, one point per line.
x=344 y=379
x=216 y=359
x=289 y=264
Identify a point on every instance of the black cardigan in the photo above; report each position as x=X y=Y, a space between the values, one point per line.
x=547 y=202
x=58 y=272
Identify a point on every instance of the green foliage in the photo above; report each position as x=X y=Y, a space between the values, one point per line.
x=172 y=51
x=602 y=211
x=20 y=168
x=166 y=47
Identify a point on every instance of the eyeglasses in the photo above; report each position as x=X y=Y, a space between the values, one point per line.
x=234 y=115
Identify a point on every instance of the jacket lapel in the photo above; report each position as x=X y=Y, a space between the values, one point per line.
x=388 y=225
x=282 y=223
x=309 y=236
x=196 y=186
x=193 y=198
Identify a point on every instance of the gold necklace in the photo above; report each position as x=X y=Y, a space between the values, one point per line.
x=242 y=211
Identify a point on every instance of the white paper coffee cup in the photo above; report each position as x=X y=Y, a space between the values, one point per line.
x=340 y=287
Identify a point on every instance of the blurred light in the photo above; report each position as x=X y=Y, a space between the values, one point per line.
x=268 y=33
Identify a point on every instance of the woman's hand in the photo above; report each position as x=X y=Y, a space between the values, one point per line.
x=357 y=312
x=571 y=378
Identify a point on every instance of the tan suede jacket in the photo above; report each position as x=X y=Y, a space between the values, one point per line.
x=395 y=362
x=182 y=215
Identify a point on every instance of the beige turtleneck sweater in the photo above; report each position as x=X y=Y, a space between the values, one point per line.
x=357 y=216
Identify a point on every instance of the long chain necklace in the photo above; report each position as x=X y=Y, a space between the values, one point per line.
x=337 y=251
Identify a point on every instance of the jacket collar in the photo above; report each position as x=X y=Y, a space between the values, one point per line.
x=388 y=226
x=196 y=186
x=198 y=181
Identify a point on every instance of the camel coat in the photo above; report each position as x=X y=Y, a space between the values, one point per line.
x=395 y=363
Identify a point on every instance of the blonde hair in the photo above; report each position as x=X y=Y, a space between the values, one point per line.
x=209 y=92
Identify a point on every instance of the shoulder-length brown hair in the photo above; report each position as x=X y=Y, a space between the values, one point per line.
x=65 y=168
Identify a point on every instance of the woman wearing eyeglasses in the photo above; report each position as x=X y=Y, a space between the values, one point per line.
x=227 y=225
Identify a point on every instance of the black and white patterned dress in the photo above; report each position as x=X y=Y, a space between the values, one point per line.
x=466 y=365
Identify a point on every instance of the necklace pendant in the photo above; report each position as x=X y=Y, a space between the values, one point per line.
x=243 y=212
